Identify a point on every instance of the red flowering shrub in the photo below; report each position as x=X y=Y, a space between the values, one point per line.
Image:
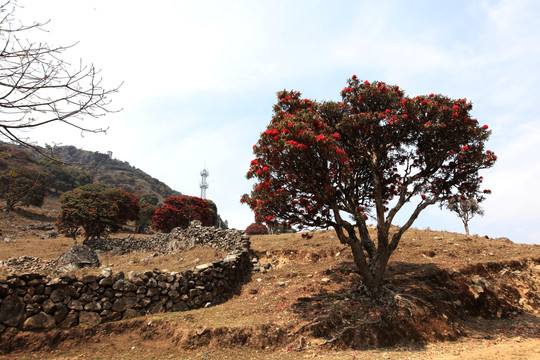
x=257 y=229
x=179 y=211
x=331 y=164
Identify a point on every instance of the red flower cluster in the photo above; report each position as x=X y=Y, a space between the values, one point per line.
x=179 y=211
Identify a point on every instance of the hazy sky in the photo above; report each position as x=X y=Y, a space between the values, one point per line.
x=200 y=78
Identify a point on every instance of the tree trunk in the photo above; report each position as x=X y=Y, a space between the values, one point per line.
x=373 y=273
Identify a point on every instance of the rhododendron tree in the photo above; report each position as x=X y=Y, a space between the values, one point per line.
x=337 y=164
x=96 y=209
x=256 y=229
x=179 y=211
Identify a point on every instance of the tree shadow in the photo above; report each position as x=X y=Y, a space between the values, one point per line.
x=34 y=216
x=420 y=303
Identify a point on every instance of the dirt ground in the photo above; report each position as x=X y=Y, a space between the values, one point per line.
x=309 y=304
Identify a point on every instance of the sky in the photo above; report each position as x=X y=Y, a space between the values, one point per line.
x=199 y=79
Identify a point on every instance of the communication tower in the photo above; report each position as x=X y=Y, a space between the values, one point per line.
x=204 y=184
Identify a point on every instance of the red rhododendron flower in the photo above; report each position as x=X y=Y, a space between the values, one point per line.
x=424 y=102
x=465 y=148
x=367 y=83
x=485 y=127
x=354 y=77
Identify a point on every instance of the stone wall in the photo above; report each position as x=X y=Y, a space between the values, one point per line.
x=33 y=301
x=176 y=240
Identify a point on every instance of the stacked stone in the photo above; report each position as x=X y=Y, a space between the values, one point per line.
x=127 y=244
x=174 y=241
x=35 y=302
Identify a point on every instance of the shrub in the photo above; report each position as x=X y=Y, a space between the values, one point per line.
x=257 y=229
x=179 y=211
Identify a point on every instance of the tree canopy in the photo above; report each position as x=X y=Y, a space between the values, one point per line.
x=179 y=211
x=324 y=164
x=96 y=209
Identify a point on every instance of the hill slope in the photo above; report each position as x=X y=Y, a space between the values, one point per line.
x=81 y=167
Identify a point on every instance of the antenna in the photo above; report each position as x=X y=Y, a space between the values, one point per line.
x=204 y=184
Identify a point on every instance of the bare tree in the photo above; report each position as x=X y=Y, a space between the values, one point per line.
x=466 y=209
x=38 y=87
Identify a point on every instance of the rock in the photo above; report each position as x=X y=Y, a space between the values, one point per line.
x=89 y=318
x=48 y=306
x=124 y=286
x=75 y=305
x=12 y=311
x=50 y=235
x=122 y=304
x=70 y=320
x=60 y=314
x=130 y=314
x=79 y=256
x=106 y=273
x=87 y=279
x=39 y=321
x=93 y=306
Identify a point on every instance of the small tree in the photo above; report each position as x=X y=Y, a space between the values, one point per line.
x=256 y=229
x=179 y=211
x=333 y=164
x=97 y=210
x=145 y=216
x=466 y=209
x=22 y=185
x=151 y=199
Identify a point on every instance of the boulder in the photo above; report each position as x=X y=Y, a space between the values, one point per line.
x=39 y=321
x=79 y=256
x=89 y=318
x=12 y=311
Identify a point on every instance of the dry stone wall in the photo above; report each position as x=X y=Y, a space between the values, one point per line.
x=176 y=240
x=33 y=301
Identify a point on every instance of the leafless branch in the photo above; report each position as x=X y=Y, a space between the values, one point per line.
x=38 y=88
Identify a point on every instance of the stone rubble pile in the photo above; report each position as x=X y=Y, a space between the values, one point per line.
x=28 y=264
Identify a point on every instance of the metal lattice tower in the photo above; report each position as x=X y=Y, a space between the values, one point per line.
x=204 y=184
